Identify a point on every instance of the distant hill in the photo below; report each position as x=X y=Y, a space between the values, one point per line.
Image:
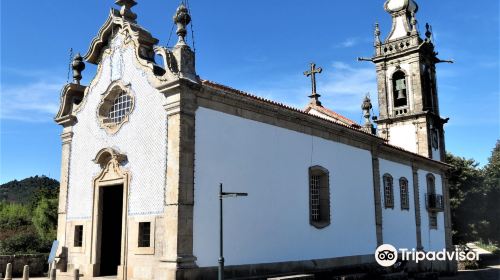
x=23 y=191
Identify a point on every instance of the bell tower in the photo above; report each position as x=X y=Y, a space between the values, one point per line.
x=407 y=88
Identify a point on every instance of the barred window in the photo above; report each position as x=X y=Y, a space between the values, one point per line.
x=120 y=108
x=403 y=190
x=115 y=107
x=388 y=191
x=144 y=234
x=78 y=237
x=431 y=191
x=319 y=197
x=315 y=186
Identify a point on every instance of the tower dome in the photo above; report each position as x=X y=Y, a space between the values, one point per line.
x=394 y=6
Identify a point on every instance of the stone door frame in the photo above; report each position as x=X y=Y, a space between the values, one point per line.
x=112 y=174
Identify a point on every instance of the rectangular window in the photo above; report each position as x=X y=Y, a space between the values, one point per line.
x=78 y=240
x=405 y=199
x=144 y=234
x=388 y=192
x=315 y=205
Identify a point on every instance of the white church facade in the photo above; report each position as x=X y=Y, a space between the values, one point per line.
x=146 y=144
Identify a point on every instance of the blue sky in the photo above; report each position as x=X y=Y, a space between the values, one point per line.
x=260 y=46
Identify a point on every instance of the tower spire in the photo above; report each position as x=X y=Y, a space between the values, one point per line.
x=403 y=17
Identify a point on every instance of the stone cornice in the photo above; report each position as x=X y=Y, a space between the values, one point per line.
x=71 y=95
x=145 y=41
x=405 y=117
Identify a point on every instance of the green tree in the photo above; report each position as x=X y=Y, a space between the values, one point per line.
x=492 y=186
x=13 y=216
x=467 y=196
x=45 y=218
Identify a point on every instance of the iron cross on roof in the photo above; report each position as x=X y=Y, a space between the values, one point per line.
x=314 y=95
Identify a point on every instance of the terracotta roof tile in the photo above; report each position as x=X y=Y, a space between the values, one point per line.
x=345 y=121
x=333 y=115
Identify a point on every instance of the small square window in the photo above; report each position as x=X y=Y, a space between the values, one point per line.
x=78 y=240
x=144 y=234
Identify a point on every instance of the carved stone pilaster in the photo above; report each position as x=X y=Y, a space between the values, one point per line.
x=185 y=58
x=377 y=196
x=66 y=139
x=416 y=199
x=179 y=195
x=447 y=212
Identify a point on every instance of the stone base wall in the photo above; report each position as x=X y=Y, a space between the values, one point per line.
x=341 y=265
x=37 y=263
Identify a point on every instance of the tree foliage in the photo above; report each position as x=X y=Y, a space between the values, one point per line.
x=29 y=190
x=28 y=215
x=45 y=218
x=474 y=198
x=492 y=186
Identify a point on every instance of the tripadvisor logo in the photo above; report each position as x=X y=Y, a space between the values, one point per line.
x=387 y=255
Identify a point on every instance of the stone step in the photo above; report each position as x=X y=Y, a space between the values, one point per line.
x=293 y=277
x=427 y=276
x=395 y=276
x=355 y=276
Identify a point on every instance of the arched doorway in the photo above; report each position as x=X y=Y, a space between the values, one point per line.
x=109 y=218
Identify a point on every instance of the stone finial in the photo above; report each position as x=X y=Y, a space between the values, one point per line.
x=26 y=272
x=78 y=66
x=125 y=10
x=413 y=23
x=8 y=272
x=182 y=19
x=366 y=106
x=428 y=32
x=377 y=34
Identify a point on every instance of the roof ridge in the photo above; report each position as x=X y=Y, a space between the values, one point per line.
x=353 y=126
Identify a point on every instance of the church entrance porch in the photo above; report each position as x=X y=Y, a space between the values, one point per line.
x=111 y=229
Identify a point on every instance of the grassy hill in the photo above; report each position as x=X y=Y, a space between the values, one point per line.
x=25 y=190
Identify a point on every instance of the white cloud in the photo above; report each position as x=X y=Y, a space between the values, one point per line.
x=342 y=87
x=349 y=42
x=36 y=101
x=352 y=41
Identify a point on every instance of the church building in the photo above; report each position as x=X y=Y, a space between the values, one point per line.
x=146 y=144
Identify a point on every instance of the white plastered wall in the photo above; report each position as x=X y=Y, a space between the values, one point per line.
x=271 y=164
x=142 y=138
x=399 y=227
x=432 y=239
x=403 y=135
